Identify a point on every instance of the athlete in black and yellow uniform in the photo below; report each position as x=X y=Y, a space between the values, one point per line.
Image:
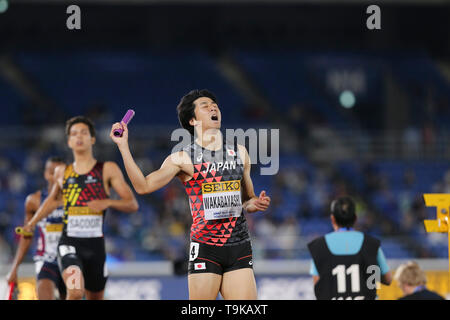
x=84 y=187
x=220 y=190
x=82 y=243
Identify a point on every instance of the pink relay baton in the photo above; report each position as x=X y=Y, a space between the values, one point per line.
x=126 y=118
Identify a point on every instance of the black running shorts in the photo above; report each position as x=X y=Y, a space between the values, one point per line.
x=209 y=258
x=89 y=255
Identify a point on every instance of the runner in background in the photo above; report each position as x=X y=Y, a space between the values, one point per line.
x=49 y=232
x=85 y=186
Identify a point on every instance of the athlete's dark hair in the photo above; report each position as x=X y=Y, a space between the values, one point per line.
x=343 y=210
x=55 y=159
x=186 y=107
x=80 y=119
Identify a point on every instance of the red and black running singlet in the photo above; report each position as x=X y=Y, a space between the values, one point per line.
x=79 y=220
x=215 y=196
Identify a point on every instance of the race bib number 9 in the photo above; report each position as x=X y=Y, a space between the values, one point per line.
x=84 y=223
x=222 y=199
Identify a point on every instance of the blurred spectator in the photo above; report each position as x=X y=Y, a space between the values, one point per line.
x=412 y=142
x=5 y=252
x=429 y=139
x=287 y=235
x=16 y=182
x=99 y=114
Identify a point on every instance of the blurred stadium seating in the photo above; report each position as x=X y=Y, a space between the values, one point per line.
x=102 y=83
x=325 y=150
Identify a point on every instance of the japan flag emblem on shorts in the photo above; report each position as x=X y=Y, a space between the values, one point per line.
x=200 y=266
x=231 y=153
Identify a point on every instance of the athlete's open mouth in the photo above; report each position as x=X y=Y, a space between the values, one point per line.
x=214 y=118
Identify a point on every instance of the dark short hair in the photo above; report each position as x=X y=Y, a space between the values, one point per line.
x=55 y=159
x=343 y=210
x=186 y=107
x=80 y=119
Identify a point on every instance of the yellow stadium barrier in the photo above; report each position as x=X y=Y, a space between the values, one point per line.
x=438 y=281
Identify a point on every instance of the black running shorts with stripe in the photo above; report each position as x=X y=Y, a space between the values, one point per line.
x=204 y=258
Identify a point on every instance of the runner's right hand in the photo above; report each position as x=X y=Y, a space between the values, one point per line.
x=28 y=228
x=11 y=277
x=123 y=140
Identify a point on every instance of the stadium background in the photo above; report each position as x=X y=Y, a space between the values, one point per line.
x=360 y=112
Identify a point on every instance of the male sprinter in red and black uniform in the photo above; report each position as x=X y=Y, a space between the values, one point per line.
x=217 y=179
x=84 y=187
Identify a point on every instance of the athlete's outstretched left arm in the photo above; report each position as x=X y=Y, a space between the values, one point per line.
x=252 y=203
x=113 y=176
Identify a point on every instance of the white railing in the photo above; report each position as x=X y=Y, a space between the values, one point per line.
x=359 y=145
x=261 y=267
